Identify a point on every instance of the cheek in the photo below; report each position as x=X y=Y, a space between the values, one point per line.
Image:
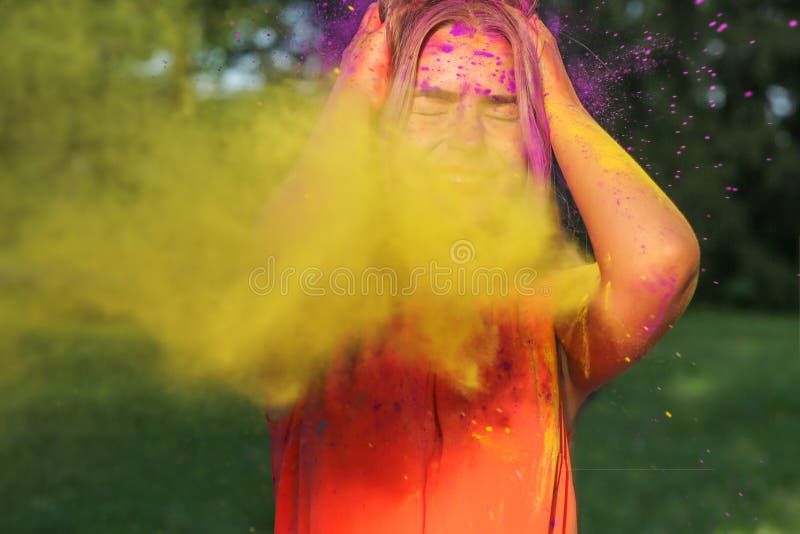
x=426 y=131
x=505 y=140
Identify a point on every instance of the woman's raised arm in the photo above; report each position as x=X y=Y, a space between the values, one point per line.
x=647 y=253
x=356 y=96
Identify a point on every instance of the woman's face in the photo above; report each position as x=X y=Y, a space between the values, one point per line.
x=465 y=108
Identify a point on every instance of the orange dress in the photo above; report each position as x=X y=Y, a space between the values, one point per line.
x=384 y=446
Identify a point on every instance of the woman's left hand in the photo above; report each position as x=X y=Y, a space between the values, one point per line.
x=559 y=93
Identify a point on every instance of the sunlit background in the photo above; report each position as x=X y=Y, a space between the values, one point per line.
x=106 y=102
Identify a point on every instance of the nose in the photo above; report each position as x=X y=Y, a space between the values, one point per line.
x=466 y=133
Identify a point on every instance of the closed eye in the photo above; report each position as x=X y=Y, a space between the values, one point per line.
x=429 y=113
x=505 y=113
x=502 y=118
x=430 y=106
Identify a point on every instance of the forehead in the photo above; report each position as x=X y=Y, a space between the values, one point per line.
x=459 y=56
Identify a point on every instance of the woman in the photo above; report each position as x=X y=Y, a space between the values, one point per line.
x=385 y=446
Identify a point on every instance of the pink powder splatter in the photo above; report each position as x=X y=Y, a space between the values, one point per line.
x=459 y=28
x=512 y=86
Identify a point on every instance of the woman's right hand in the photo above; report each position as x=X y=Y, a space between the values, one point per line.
x=365 y=62
x=358 y=92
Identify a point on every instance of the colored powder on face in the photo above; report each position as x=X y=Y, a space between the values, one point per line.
x=460 y=28
x=598 y=81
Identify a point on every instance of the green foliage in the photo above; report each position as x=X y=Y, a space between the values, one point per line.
x=71 y=102
x=73 y=106
x=91 y=441
x=748 y=237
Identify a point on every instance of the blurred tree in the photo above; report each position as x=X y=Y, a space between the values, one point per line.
x=713 y=118
x=248 y=43
x=703 y=94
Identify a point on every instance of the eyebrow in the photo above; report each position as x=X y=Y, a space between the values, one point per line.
x=451 y=96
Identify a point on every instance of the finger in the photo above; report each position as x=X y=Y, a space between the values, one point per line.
x=372 y=20
x=544 y=38
x=534 y=27
x=366 y=20
x=535 y=23
x=541 y=27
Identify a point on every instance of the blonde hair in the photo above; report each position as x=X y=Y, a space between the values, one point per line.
x=409 y=23
x=408 y=26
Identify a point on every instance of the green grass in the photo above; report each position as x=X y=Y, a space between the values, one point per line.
x=732 y=397
x=92 y=439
